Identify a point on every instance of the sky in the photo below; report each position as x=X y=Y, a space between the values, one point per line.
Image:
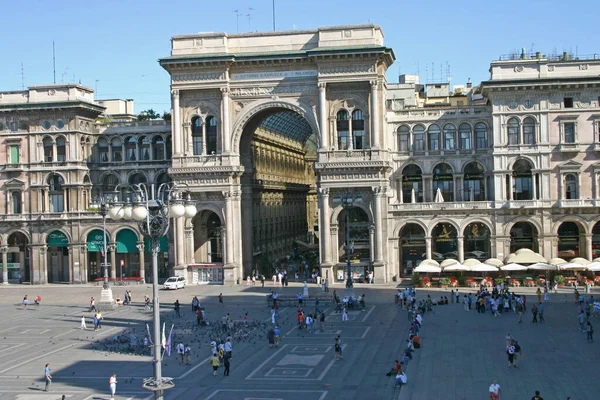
x=113 y=46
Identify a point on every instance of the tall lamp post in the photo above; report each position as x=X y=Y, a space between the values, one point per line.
x=347 y=201
x=106 y=299
x=153 y=215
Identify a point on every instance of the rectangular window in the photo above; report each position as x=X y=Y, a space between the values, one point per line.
x=343 y=140
x=403 y=143
x=568 y=102
x=569 y=129
x=359 y=139
x=196 y=144
x=465 y=140
x=434 y=141
x=14 y=154
x=419 y=142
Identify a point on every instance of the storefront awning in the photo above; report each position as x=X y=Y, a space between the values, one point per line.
x=57 y=239
x=95 y=241
x=127 y=241
x=163 y=245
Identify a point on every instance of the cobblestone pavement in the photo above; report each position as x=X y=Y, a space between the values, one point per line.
x=461 y=353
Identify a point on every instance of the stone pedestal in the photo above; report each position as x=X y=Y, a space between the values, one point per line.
x=106 y=302
x=305 y=294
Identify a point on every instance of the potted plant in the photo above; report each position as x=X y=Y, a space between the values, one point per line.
x=462 y=281
x=560 y=279
x=499 y=280
x=416 y=280
x=444 y=282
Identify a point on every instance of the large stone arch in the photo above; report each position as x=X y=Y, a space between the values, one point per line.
x=509 y=225
x=470 y=220
x=338 y=209
x=13 y=231
x=581 y=223
x=442 y=221
x=260 y=106
x=206 y=207
x=85 y=232
x=401 y=224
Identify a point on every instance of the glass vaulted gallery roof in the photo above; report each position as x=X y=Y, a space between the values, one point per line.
x=289 y=124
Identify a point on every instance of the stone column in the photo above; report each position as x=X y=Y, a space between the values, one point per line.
x=374 y=116
x=533 y=186
x=179 y=238
x=428 y=247
x=378 y=193
x=203 y=137
x=323 y=120
x=43 y=266
x=225 y=121
x=112 y=247
x=177 y=136
x=461 y=248
x=70 y=263
x=4 y=251
x=247 y=231
x=141 y=248
x=229 y=229
x=83 y=268
x=236 y=219
x=588 y=248
x=325 y=242
x=510 y=187
x=189 y=245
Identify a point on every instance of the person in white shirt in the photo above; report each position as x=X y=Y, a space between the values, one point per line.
x=112 y=382
x=419 y=319
x=83 y=322
x=181 y=350
x=188 y=354
x=227 y=348
x=495 y=390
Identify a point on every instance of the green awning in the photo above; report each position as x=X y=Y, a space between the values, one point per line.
x=127 y=241
x=95 y=242
x=163 y=245
x=57 y=239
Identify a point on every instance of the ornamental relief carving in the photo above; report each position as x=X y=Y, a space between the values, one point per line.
x=347 y=69
x=189 y=99
x=273 y=90
x=207 y=76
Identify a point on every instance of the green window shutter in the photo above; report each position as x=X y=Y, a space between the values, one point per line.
x=14 y=154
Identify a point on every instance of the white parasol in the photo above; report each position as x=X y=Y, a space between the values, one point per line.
x=428 y=268
x=513 y=267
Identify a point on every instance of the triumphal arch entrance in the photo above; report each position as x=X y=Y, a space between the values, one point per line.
x=271 y=132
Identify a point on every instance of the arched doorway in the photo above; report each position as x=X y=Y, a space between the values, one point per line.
x=412 y=184
x=476 y=241
x=596 y=240
x=570 y=243
x=412 y=248
x=127 y=254
x=95 y=254
x=523 y=235
x=208 y=248
x=279 y=200
x=17 y=258
x=444 y=242
x=360 y=243
x=522 y=180
x=443 y=179
x=58 y=257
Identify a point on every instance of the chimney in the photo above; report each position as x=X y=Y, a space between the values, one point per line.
x=469 y=83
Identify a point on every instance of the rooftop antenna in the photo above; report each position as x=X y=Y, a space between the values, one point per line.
x=22 y=77
x=249 y=15
x=441 y=73
x=448 y=75
x=237 y=20
x=96 y=87
x=65 y=74
x=54 y=61
x=418 y=70
x=273 y=15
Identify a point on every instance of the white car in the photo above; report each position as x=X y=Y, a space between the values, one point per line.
x=175 y=282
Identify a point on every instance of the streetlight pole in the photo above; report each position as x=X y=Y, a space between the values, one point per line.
x=153 y=214
x=347 y=201
x=106 y=299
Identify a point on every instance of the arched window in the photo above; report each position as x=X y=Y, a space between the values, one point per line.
x=523 y=235
x=168 y=143
x=102 y=150
x=343 y=130
x=48 y=147
x=137 y=178
x=56 y=193
x=197 y=136
x=211 y=135
x=476 y=241
x=413 y=247
x=130 y=148
x=569 y=239
x=412 y=184
x=523 y=180
x=116 y=148
x=444 y=242
x=434 y=137
x=419 y=138
x=61 y=149
x=16 y=202
x=109 y=185
x=513 y=131
x=144 y=148
x=474 y=189
x=481 y=136
x=464 y=131
x=403 y=138
x=358 y=130
x=571 y=187
x=443 y=180
x=529 y=131
x=158 y=148
x=449 y=137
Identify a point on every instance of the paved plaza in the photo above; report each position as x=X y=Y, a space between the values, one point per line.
x=461 y=353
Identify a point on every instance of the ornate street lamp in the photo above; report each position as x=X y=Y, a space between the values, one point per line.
x=347 y=200
x=153 y=215
x=106 y=299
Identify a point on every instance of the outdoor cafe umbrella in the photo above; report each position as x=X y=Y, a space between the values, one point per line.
x=594 y=267
x=513 y=267
x=580 y=261
x=572 y=267
x=493 y=261
x=557 y=261
x=457 y=267
x=429 y=261
x=484 y=268
x=471 y=262
x=448 y=262
x=542 y=267
x=428 y=269
x=439 y=198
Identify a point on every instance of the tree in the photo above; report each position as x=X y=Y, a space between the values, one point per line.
x=147 y=115
x=166 y=116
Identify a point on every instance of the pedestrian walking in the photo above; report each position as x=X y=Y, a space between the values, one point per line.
x=452 y=296
x=221 y=299
x=95 y=318
x=520 y=311
x=546 y=294
x=537 y=396
x=510 y=351
x=582 y=320
x=465 y=302
x=83 y=322
x=25 y=302
x=262 y=281
x=517 y=354
x=271 y=337
x=93 y=305
x=188 y=354
x=538 y=292
x=276 y=336
x=99 y=318
x=338 y=349
x=37 y=301
x=112 y=383
x=48 y=377
x=322 y=320
x=541 y=312
x=495 y=390
x=589 y=329
x=339 y=340
x=214 y=361
x=180 y=351
x=534 y=311
x=344 y=315
x=176 y=306
x=227 y=364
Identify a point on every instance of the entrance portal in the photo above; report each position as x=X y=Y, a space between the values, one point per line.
x=279 y=202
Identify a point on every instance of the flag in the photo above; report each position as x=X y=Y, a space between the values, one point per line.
x=163 y=340
x=352 y=247
x=149 y=335
x=169 y=341
x=101 y=250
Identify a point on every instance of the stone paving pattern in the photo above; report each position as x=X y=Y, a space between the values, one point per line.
x=461 y=353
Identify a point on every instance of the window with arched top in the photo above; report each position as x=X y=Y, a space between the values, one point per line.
x=474 y=187
x=144 y=148
x=358 y=130
x=528 y=131
x=449 y=137
x=48 y=147
x=56 y=194
x=443 y=179
x=513 y=128
x=197 y=136
x=109 y=185
x=412 y=184
x=403 y=138
x=130 y=148
x=158 y=148
x=137 y=178
x=433 y=134
x=61 y=149
x=343 y=130
x=211 y=135
x=116 y=150
x=418 y=138
x=464 y=131
x=522 y=180
x=481 y=136
x=571 y=187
